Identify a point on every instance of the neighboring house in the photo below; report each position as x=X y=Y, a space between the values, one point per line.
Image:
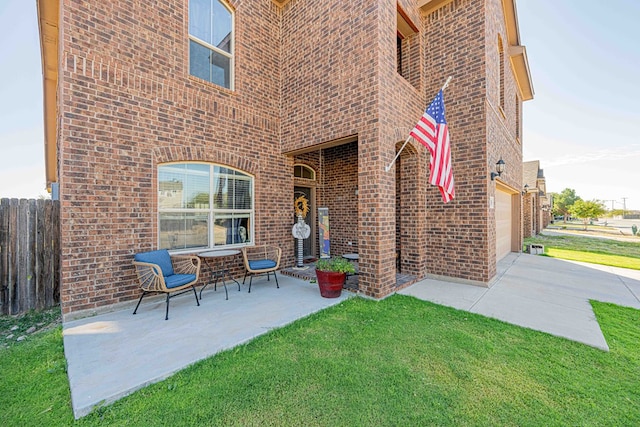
x=236 y=107
x=536 y=203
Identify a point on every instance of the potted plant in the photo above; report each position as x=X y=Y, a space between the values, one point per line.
x=331 y=274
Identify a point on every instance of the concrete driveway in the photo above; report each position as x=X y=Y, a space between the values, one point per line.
x=541 y=293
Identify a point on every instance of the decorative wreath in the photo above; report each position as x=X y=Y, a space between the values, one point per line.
x=301 y=206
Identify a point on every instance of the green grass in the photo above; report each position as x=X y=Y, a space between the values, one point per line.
x=399 y=361
x=625 y=254
x=579 y=225
x=595 y=258
x=13 y=327
x=34 y=389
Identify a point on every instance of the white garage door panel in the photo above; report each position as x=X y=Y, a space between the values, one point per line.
x=503 y=224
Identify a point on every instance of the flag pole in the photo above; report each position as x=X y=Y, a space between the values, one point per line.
x=446 y=83
x=388 y=168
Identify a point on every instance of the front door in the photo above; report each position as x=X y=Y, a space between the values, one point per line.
x=307 y=246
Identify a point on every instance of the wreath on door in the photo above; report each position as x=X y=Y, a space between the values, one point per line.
x=301 y=206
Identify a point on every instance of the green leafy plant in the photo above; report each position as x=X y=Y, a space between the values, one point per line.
x=634 y=229
x=335 y=264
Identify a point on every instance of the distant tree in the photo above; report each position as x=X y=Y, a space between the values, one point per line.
x=199 y=200
x=616 y=212
x=591 y=209
x=563 y=201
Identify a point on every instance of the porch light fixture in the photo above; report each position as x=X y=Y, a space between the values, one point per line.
x=499 y=169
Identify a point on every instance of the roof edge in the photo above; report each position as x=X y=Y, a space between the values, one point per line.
x=517 y=53
x=48 y=19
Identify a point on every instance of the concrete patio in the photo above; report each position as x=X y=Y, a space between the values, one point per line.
x=111 y=355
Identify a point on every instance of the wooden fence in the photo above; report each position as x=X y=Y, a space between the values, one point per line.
x=29 y=255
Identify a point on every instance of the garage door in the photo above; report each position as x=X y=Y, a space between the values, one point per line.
x=503 y=224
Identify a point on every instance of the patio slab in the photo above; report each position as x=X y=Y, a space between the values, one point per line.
x=113 y=354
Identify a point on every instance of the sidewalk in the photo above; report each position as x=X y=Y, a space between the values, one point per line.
x=542 y=293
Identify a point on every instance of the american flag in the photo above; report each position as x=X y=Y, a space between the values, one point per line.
x=432 y=132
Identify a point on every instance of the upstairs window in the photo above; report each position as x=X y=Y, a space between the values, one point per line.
x=211 y=42
x=202 y=205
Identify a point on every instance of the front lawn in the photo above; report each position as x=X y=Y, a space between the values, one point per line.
x=399 y=361
x=625 y=254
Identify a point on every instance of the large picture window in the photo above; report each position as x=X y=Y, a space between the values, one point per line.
x=211 y=42
x=204 y=206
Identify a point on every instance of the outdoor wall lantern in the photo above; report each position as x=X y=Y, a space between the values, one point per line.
x=499 y=169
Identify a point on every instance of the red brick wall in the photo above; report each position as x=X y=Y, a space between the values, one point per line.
x=338 y=192
x=331 y=90
x=458 y=236
x=306 y=74
x=528 y=215
x=502 y=141
x=127 y=103
x=328 y=70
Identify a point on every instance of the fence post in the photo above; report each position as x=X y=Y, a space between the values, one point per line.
x=4 y=256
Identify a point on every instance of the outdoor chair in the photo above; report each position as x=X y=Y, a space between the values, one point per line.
x=159 y=272
x=261 y=260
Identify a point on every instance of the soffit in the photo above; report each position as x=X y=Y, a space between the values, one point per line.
x=48 y=15
x=404 y=25
x=517 y=53
x=328 y=144
x=428 y=6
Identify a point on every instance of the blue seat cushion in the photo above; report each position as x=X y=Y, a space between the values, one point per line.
x=176 y=280
x=160 y=257
x=261 y=264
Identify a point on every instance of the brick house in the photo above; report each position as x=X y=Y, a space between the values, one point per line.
x=188 y=124
x=536 y=203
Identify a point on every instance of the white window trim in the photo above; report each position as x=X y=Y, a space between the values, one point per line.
x=230 y=55
x=212 y=211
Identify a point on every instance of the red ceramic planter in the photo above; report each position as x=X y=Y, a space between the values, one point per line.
x=330 y=283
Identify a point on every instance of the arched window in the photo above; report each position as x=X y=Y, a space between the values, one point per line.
x=211 y=42
x=204 y=205
x=303 y=171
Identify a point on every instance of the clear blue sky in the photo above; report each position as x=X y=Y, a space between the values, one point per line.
x=583 y=124
x=584 y=121
x=21 y=122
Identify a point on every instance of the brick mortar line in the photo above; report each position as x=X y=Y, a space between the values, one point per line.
x=121 y=76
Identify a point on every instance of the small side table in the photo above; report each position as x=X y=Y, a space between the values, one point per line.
x=351 y=257
x=222 y=272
